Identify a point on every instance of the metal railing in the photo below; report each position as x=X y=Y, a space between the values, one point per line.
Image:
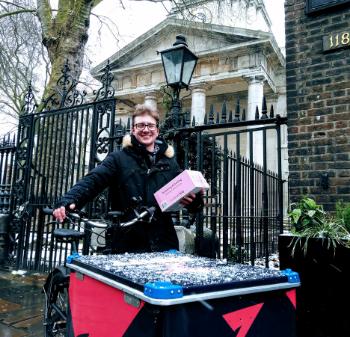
x=61 y=143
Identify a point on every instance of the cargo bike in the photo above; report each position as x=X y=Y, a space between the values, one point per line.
x=165 y=294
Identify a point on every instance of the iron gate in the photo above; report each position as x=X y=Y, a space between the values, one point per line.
x=68 y=137
x=56 y=147
x=244 y=206
x=7 y=157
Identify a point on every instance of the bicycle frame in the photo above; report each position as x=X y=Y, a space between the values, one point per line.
x=57 y=317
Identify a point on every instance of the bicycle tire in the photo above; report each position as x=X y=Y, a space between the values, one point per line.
x=56 y=305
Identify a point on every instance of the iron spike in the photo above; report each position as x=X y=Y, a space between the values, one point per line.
x=223 y=113
x=264 y=109
x=257 y=112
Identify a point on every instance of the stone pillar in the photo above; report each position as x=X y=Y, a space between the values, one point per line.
x=272 y=99
x=151 y=100
x=198 y=104
x=123 y=113
x=255 y=95
x=255 y=98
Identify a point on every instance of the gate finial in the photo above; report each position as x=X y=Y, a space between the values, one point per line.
x=257 y=112
x=106 y=91
x=29 y=101
x=264 y=109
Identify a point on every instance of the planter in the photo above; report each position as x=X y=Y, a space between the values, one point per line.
x=324 y=295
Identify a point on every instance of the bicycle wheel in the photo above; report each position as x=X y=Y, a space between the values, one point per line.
x=56 y=305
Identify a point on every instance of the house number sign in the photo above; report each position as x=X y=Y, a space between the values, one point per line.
x=336 y=40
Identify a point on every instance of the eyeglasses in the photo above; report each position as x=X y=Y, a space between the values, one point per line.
x=142 y=126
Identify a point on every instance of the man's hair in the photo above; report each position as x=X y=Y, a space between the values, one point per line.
x=142 y=109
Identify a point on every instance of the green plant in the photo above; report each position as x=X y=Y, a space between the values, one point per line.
x=305 y=214
x=343 y=214
x=309 y=220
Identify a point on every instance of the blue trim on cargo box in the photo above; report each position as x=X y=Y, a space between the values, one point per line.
x=163 y=290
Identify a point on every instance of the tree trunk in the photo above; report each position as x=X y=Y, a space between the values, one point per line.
x=65 y=37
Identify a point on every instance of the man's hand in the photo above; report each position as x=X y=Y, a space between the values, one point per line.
x=189 y=199
x=60 y=212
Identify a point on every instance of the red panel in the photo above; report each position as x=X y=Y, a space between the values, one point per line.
x=292 y=295
x=98 y=309
x=243 y=319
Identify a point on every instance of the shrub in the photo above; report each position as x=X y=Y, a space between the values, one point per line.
x=343 y=214
x=309 y=220
x=306 y=214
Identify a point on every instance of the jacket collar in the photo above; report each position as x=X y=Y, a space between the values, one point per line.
x=130 y=142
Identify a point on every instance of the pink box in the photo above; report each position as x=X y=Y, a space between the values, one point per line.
x=187 y=182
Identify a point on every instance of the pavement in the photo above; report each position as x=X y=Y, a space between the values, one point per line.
x=21 y=304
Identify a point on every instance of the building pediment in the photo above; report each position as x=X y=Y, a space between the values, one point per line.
x=202 y=38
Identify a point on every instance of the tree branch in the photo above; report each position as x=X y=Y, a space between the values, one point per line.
x=95 y=3
x=4 y=15
x=45 y=16
x=11 y=4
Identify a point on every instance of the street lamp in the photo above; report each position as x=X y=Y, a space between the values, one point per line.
x=178 y=63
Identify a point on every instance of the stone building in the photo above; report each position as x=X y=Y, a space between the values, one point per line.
x=318 y=88
x=238 y=58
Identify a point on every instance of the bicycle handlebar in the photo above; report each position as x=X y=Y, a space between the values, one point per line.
x=77 y=215
x=148 y=211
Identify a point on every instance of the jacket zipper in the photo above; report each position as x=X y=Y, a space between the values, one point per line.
x=147 y=185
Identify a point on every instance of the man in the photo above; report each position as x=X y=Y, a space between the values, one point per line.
x=144 y=165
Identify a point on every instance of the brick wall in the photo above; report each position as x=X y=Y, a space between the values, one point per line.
x=318 y=105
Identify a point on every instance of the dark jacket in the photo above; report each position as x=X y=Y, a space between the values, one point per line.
x=132 y=173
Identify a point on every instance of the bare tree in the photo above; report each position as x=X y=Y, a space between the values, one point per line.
x=63 y=32
x=23 y=58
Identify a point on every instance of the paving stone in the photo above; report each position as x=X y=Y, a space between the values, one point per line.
x=27 y=323
x=23 y=314
x=8 y=331
x=25 y=294
x=6 y=306
x=21 y=305
x=4 y=283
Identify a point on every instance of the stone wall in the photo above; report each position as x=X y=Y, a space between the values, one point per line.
x=318 y=103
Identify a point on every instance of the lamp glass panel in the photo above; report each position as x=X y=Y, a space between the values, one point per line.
x=189 y=64
x=172 y=65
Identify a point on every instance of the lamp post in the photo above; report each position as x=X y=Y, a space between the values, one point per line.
x=178 y=63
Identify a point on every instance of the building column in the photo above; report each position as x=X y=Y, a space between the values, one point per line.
x=255 y=98
x=198 y=104
x=122 y=114
x=151 y=100
x=272 y=99
x=255 y=95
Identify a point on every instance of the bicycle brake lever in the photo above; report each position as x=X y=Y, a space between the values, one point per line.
x=148 y=211
x=75 y=216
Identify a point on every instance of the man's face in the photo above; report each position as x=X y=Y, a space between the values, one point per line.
x=145 y=130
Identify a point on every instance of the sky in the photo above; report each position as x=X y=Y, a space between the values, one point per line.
x=129 y=19
x=136 y=19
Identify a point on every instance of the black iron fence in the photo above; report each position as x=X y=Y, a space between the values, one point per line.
x=59 y=144
x=7 y=158
x=56 y=147
x=242 y=161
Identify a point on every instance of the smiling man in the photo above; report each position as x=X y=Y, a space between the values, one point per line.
x=145 y=164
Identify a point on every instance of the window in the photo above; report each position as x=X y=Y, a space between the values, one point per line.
x=313 y=6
